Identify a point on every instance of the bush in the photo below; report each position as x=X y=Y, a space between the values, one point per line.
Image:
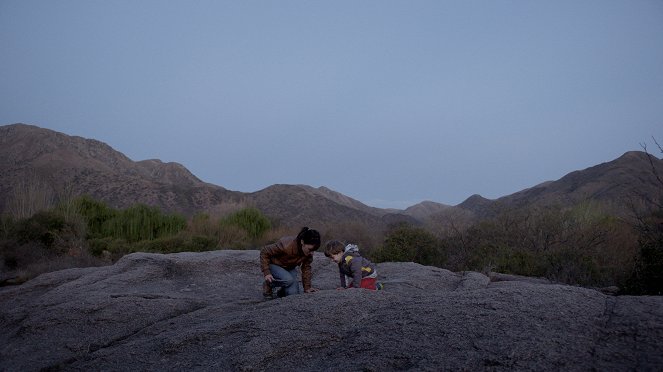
x=50 y=229
x=177 y=243
x=579 y=245
x=412 y=244
x=142 y=222
x=7 y=225
x=233 y=237
x=251 y=220
x=46 y=241
x=647 y=275
x=96 y=214
x=201 y=224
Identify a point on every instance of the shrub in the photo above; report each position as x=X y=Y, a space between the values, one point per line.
x=647 y=275
x=233 y=237
x=412 y=244
x=251 y=220
x=202 y=224
x=176 y=243
x=7 y=225
x=142 y=222
x=50 y=229
x=46 y=241
x=139 y=222
x=579 y=245
x=96 y=214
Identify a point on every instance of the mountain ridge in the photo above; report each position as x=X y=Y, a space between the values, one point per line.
x=95 y=168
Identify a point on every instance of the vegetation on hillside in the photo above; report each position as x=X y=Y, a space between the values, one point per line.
x=582 y=245
x=85 y=232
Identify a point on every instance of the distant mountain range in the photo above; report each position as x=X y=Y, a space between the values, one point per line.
x=87 y=166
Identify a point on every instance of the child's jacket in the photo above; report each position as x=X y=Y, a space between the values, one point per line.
x=354 y=266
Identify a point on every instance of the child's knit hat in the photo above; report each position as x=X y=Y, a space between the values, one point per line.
x=351 y=248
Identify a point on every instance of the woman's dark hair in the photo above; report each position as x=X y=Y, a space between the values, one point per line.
x=309 y=236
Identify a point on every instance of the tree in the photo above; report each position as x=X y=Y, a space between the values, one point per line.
x=412 y=244
x=647 y=276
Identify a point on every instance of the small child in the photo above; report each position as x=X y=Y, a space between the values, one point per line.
x=355 y=270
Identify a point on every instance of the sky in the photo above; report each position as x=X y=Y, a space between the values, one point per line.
x=388 y=102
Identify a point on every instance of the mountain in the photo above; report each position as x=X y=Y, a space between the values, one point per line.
x=304 y=203
x=56 y=162
x=619 y=186
x=622 y=186
x=425 y=209
x=33 y=157
x=627 y=179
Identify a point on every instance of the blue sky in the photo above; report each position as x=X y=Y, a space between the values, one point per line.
x=388 y=102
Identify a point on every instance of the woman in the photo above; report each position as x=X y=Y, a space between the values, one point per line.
x=279 y=262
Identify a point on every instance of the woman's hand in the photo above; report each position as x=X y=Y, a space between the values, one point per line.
x=311 y=290
x=269 y=278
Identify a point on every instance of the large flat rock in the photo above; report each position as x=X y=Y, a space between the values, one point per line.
x=204 y=311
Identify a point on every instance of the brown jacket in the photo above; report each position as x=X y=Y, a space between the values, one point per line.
x=286 y=254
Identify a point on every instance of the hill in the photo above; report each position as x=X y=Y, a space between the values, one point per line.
x=30 y=155
x=620 y=186
x=60 y=162
x=616 y=184
x=57 y=162
x=204 y=311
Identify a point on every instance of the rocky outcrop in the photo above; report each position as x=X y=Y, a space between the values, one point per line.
x=204 y=311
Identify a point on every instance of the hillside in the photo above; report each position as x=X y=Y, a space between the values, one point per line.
x=619 y=186
x=58 y=161
x=33 y=155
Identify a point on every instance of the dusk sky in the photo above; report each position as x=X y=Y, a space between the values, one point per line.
x=388 y=102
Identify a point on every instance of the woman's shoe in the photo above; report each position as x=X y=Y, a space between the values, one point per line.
x=267 y=290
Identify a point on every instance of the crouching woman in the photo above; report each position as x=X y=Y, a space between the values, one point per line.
x=279 y=262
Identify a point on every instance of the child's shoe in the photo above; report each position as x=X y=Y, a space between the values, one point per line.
x=379 y=286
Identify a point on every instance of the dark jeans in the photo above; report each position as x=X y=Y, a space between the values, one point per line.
x=287 y=279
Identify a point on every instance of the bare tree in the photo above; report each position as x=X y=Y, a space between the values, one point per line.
x=651 y=161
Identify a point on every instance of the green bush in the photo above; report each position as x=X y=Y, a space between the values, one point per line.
x=177 y=243
x=139 y=222
x=96 y=215
x=251 y=220
x=34 y=245
x=412 y=244
x=51 y=229
x=142 y=222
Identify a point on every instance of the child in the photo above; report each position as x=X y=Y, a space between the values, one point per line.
x=355 y=270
